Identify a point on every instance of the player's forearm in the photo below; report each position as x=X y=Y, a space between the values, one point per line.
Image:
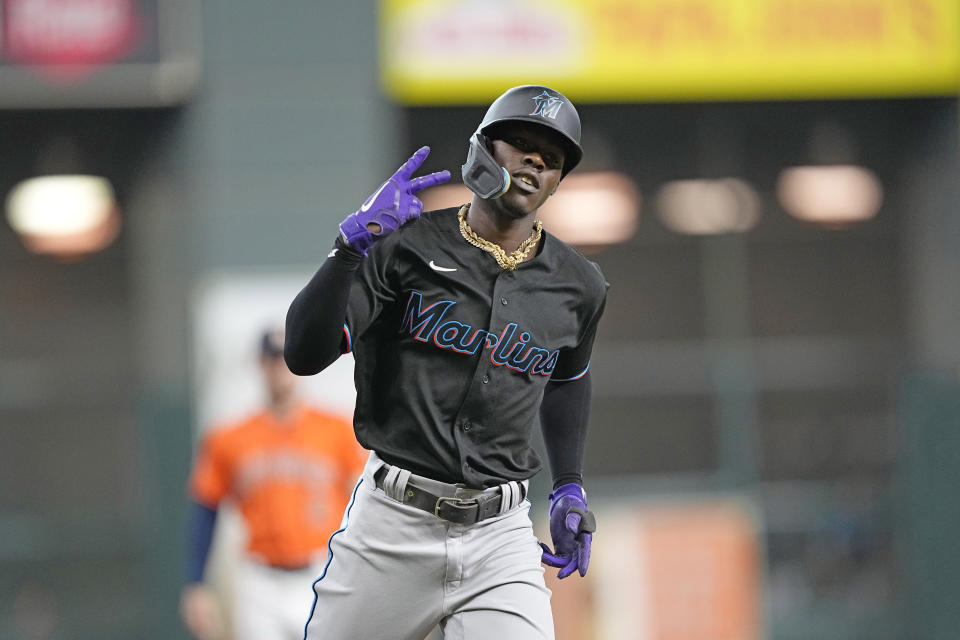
x=564 y=415
x=199 y=539
x=314 y=326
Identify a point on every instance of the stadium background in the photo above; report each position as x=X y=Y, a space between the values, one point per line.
x=800 y=380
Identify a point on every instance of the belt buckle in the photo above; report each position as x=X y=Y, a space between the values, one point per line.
x=457 y=502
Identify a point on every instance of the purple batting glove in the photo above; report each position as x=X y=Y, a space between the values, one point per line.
x=571 y=528
x=391 y=205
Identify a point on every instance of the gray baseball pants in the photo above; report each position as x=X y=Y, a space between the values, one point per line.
x=394 y=572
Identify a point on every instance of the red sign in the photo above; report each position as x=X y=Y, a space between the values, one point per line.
x=69 y=38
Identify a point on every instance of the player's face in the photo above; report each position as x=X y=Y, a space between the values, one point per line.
x=281 y=383
x=534 y=159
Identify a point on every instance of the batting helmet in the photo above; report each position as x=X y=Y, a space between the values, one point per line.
x=532 y=103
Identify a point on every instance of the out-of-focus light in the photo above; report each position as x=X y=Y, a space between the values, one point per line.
x=66 y=216
x=445 y=196
x=836 y=195
x=588 y=210
x=59 y=205
x=705 y=207
x=593 y=209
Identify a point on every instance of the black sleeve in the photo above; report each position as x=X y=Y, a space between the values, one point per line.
x=575 y=361
x=564 y=414
x=314 y=327
x=199 y=538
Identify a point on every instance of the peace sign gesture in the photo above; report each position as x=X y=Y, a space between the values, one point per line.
x=391 y=205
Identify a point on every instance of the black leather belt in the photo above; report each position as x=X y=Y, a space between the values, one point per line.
x=450 y=508
x=287 y=567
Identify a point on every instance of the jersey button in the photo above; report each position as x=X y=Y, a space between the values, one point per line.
x=465 y=425
x=485 y=379
x=503 y=301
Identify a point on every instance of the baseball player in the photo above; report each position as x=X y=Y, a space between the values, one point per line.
x=463 y=324
x=289 y=469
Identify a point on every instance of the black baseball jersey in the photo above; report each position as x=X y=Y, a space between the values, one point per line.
x=453 y=353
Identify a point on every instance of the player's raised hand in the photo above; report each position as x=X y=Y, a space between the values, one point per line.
x=391 y=205
x=571 y=528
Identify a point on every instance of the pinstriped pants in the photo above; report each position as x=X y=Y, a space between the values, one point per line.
x=394 y=572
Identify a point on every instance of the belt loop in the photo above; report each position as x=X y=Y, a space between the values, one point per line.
x=395 y=482
x=506 y=497
x=511 y=495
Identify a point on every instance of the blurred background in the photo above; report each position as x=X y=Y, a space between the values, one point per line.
x=770 y=187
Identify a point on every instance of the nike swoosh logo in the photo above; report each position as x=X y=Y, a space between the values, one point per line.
x=369 y=202
x=439 y=268
x=332 y=253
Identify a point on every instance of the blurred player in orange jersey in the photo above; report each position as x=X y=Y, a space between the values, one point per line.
x=289 y=469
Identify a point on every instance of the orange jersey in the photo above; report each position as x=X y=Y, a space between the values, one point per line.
x=291 y=480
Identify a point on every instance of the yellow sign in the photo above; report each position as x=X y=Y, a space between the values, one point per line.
x=467 y=51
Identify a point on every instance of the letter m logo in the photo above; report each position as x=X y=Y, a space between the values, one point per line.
x=547 y=106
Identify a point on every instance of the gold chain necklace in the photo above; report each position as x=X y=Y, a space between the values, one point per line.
x=505 y=260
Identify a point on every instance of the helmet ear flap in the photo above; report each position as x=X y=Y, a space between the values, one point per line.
x=486 y=141
x=481 y=172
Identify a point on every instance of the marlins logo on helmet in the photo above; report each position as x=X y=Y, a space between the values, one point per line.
x=547 y=105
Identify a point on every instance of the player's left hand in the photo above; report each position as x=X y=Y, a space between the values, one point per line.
x=571 y=528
